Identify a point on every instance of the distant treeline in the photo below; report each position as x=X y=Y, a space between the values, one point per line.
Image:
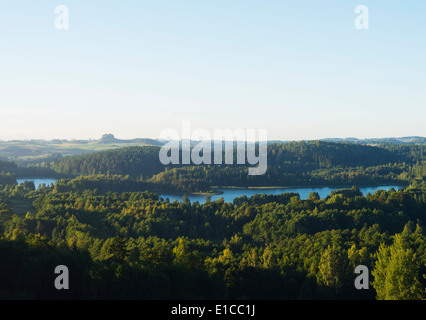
x=309 y=163
x=289 y=164
x=32 y=171
x=137 y=162
x=102 y=183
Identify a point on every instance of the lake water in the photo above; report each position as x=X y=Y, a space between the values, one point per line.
x=38 y=182
x=229 y=194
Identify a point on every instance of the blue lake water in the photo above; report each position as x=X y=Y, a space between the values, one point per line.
x=229 y=194
x=38 y=182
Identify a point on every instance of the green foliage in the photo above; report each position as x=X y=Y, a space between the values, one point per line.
x=396 y=272
x=277 y=247
x=133 y=161
x=106 y=223
x=117 y=250
x=289 y=164
x=333 y=268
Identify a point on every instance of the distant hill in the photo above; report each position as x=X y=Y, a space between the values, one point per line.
x=402 y=140
x=370 y=141
x=110 y=139
x=31 y=151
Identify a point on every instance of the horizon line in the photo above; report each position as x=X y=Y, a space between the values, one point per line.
x=159 y=139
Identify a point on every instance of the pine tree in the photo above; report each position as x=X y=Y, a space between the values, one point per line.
x=333 y=268
x=117 y=250
x=396 y=272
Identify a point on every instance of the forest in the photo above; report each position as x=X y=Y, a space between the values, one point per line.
x=104 y=220
x=306 y=163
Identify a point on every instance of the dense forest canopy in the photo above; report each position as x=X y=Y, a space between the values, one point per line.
x=262 y=247
x=308 y=155
x=289 y=164
x=105 y=221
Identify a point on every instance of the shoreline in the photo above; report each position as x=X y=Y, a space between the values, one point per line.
x=219 y=192
x=311 y=186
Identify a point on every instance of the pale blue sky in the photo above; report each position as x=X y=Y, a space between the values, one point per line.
x=299 y=69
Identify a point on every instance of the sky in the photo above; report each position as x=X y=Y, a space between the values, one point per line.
x=299 y=69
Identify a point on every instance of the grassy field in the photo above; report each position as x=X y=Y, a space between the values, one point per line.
x=37 y=149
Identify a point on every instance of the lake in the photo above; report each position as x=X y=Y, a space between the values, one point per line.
x=38 y=182
x=229 y=194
